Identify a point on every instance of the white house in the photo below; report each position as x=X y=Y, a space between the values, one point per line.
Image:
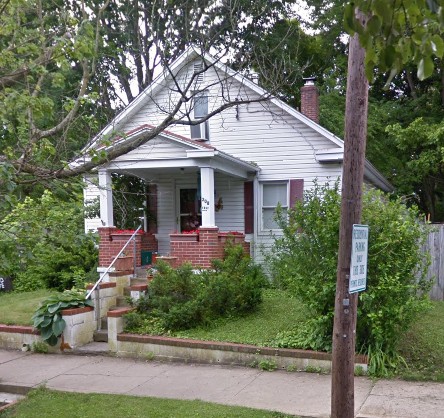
x=225 y=174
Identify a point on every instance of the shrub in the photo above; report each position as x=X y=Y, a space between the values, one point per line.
x=183 y=298
x=304 y=260
x=48 y=319
x=42 y=244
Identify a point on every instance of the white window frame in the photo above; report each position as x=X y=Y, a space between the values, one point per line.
x=204 y=127
x=263 y=229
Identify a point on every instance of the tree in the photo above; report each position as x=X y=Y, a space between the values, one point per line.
x=380 y=27
x=422 y=143
x=42 y=245
x=55 y=64
x=397 y=270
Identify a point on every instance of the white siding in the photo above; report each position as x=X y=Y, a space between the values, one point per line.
x=280 y=144
x=231 y=217
x=91 y=193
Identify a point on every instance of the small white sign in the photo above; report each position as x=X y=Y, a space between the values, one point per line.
x=358 y=264
x=205 y=204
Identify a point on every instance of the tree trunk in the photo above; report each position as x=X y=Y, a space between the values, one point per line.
x=344 y=329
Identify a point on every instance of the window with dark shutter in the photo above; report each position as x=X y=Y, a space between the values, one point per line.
x=273 y=194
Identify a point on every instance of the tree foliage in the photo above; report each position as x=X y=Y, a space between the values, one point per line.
x=42 y=244
x=64 y=66
x=397 y=97
x=304 y=261
x=422 y=167
x=397 y=32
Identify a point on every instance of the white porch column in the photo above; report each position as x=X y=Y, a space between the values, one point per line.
x=207 y=196
x=106 y=198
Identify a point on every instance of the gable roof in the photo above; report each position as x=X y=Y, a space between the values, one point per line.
x=186 y=57
x=165 y=133
x=334 y=154
x=196 y=150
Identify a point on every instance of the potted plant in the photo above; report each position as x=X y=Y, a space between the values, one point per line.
x=124 y=262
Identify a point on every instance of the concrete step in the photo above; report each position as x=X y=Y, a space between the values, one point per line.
x=104 y=323
x=96 y=348
x=141 y=272
x=121 y=301
x=100 y=335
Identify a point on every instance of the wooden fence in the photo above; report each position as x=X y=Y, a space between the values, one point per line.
x=435 y=247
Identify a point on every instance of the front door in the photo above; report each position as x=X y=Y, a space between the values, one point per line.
x=190 y=216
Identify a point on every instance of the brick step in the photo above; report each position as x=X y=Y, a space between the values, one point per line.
x=136 y=281
x=135 y=287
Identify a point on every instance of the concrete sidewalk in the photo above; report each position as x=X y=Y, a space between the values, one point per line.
x=304 y=394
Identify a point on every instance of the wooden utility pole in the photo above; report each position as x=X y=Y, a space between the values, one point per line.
x=344 y=329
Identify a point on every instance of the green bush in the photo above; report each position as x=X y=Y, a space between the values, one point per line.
x=183 y=298
x=304 y=260
x=43 y=245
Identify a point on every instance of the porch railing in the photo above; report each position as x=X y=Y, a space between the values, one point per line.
x=96 y=285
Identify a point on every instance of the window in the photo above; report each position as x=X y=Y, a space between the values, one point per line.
x=200 y=109
x=272 y=195
x=200 y=105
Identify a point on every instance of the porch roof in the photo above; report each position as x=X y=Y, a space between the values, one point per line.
x=186 y=153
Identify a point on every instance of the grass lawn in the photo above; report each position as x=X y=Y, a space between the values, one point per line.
x=44 y=403
x=278 y=312
x=17 y=308
x=423 y=346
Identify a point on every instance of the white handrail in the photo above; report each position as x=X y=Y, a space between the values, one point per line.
x=112 y=263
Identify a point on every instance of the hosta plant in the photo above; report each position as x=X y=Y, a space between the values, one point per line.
x=48 y=317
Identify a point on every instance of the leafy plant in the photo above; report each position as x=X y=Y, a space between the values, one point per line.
x=183 y=298
x=39 y=347
x=48 y=319
x=43 y=245
x=360 y=371
x=304 y=260
x=292 y=368
x=315 y=369
x=267 y=365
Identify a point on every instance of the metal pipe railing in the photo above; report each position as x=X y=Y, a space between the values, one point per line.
x=112 y=262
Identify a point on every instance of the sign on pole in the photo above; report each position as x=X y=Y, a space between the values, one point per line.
x=358 y=264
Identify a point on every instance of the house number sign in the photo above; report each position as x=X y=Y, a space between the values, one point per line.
x=205 y=205
x=358 y=264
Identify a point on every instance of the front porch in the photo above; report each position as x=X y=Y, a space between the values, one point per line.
x=198 y=248
x=196 y=196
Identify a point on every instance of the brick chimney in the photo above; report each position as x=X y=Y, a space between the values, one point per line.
x=310 y=99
